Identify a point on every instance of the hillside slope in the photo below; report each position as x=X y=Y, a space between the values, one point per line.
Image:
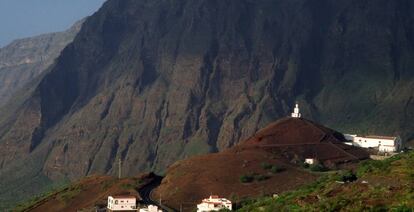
x=381 y=186
x=25 y=59
x=152 y=81
x=86 y=194
x=273 y=157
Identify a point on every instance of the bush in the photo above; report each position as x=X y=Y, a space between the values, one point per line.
x=318 y=168
x=261 y=177
x=371 y=166
x=402 y=208
x=305 y=165
x=246 y=178
x=266 y=166
x=276 y=169
x=348 y=176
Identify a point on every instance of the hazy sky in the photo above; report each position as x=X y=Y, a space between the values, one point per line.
x=25 y=18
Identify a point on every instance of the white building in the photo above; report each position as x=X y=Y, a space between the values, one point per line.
x=122 y=203
x=383 y=143
x=150 y=208
x=296 y=113
x=214 y=203
x=310 y=161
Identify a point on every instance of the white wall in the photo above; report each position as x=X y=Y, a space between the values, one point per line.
x=383 y=144
x=121 y=203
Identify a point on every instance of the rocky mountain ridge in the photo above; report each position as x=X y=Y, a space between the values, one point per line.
x=152 y=81
x=25 y=59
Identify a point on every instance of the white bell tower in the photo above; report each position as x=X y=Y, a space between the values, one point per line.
x=296 y=113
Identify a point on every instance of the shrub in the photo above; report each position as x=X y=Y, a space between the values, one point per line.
x=305 y=165
x=126 y=186
x=402 y=208
x=373 y=166
x=318 y=168
x=246 y=178
x=275 y=169
x=266 y=166
x=261 y=177
x=348 y=176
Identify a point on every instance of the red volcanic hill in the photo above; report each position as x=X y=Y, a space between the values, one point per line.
x=291 y=131
x=283 y=144
x=305 y=139
x=87 y=193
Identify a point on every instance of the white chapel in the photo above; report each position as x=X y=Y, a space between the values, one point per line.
x=296 y=113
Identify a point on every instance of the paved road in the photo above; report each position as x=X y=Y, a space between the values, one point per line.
x=146 y=191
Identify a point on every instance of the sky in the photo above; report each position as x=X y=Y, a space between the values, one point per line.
x=27 y=18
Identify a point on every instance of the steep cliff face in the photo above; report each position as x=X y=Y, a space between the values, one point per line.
x=151 y=81
x=25 y=59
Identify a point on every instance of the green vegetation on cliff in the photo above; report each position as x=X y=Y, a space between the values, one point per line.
x=154 y=81
x=381 y=186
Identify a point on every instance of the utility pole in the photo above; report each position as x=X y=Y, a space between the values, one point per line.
x=119 y=168
x=160 y=200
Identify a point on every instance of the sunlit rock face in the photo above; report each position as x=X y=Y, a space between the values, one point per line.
x=23 y=60
x=153 y=81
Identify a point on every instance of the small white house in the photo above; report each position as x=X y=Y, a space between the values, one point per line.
x=383 y=143
x=296 y=113
x=214 y=203
x=122 y=203
x=150 y=208
x=310 y=161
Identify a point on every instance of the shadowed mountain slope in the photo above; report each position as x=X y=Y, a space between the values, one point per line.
x=152 y=81
x=25 y=59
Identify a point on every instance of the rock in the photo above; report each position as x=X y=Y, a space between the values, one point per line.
x=24 y=60
x=153 y=81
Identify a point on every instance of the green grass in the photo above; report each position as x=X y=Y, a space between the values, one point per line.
x=108 y=183
x=25 y=181
x=390 y=187
x=50 y=191
x=70 y=193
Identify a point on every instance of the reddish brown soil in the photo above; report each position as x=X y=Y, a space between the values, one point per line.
x=90 y=191
x=301 y=138
x=189 y=181
x=291 y=131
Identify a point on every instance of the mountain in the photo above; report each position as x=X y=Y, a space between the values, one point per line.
x=273 y=157
x=25 y=59
x=153 y=81
x=270 y=162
